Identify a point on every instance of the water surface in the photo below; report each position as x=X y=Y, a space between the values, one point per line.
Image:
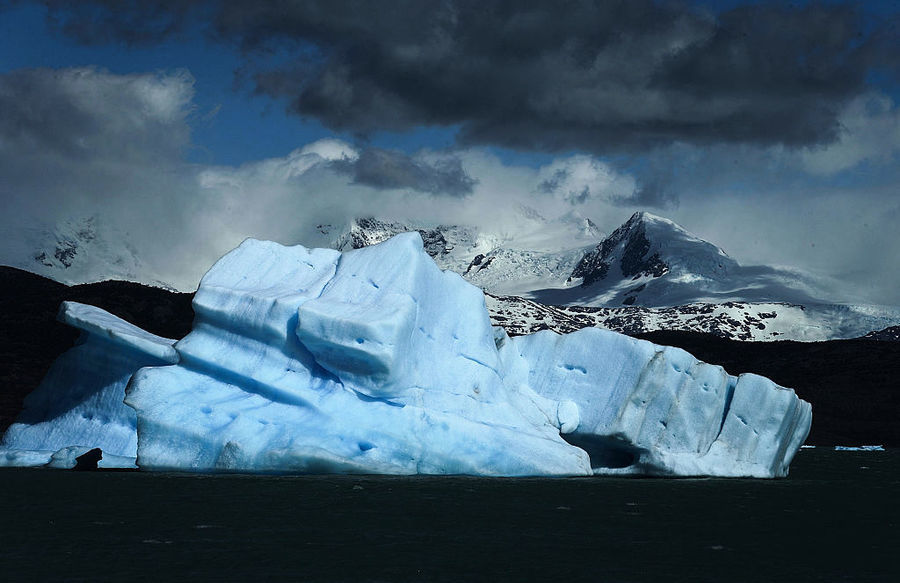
x=835 y=518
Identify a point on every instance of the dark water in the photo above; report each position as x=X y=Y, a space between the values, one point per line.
x=835 y=519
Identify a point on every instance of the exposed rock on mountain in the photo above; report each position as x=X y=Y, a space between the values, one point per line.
x=627 y=247
x=732 y=320
x=651 y=261
x=369 y=231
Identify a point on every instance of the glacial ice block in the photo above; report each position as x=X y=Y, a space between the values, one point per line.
x=376 y=361
x=80 y=400
x=366 y=342
x=371 y=361
x=652 y=409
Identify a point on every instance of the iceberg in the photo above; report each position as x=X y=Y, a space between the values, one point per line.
x=376 y=361
x=79 y=404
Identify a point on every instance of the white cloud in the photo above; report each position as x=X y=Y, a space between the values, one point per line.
x=82 y=142
x=846 y=237
x=580 y=178
x=870 y=132
x=330 y=149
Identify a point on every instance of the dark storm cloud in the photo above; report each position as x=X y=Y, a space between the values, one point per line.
x=85 y=113
x=552 y=76
x=388 y=169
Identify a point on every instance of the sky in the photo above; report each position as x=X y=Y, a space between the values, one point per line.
x=771 y=129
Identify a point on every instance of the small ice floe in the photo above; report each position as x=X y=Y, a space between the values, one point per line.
x=859 y=448
x=807 y=447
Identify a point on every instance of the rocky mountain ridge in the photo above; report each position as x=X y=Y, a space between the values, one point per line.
x=625 y=283
x=745 y=321
x=648 y=274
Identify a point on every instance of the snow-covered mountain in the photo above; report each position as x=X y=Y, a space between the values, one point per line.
x=648 y=261
x=649 y=274
x=75 y=251
x=497 y=262
x=651 y=261
x=79 y=250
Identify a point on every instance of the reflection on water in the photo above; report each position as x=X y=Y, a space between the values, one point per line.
x=835 y=518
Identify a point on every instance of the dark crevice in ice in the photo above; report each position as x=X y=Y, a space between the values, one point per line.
x=729 y=395
x=603 y=451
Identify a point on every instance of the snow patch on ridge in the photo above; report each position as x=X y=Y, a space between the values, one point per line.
x=766 y=322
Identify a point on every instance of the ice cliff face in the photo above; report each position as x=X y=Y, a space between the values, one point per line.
x=78 y=406
x=374 y=360
x=658 y=410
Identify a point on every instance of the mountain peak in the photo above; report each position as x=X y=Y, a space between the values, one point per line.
x=652 y=261
x=647 y=250
x=658 y=223
x=75 y=250
x=365 y=231
x=637 y=217
x=645 y=217
x=629 y=248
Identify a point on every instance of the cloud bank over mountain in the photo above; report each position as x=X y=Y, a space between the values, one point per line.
x=771 y=130
x=79 y=142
